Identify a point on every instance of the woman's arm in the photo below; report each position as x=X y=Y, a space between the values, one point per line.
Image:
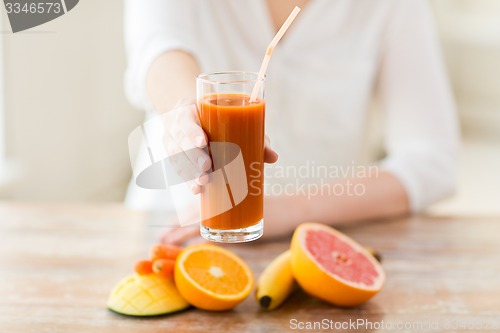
x=171 y=77
x=383 y=196
x=421 y=135
x=161 y=40
x=422 y=138
x=380 y=195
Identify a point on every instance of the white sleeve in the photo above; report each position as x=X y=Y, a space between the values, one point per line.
x=421 y=131
x=151 y=28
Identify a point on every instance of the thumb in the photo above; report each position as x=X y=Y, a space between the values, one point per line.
x=270 y=156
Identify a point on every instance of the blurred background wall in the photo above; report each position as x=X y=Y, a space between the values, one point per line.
x=67 y=119
x=470 y=35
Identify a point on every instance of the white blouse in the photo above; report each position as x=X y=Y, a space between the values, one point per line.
x=335 y=58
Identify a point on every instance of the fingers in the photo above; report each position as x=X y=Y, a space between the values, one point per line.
x=195 y=188
x=181 y=166
x=186 y=144
x=190 y=137
x=270 y=156
x=187 y=118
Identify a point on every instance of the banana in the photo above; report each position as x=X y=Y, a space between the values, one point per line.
x=275 y=283
x=374 y=253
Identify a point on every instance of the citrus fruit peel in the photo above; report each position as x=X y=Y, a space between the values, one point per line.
x=212 y=278
x=330 y=266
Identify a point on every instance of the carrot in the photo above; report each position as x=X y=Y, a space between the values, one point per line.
x=164 y=267
x=143 y=267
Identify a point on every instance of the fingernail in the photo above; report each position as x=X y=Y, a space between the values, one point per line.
x=203 y=180
x=199 y=140
x=199 y=179
x=195 y=189
x=201 y=161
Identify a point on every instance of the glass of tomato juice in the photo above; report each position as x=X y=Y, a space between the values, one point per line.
x=232 y=203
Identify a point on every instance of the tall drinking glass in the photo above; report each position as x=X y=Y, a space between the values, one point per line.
x=233 y=200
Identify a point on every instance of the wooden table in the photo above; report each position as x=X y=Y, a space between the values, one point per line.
x=59 y=262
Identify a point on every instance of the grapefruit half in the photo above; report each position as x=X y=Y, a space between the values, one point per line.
x=331 y=266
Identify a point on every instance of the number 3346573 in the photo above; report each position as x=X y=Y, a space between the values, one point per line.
x=33 y=8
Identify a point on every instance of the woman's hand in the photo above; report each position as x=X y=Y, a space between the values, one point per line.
x=270 y=156
x=185 y=140
x=186 y=144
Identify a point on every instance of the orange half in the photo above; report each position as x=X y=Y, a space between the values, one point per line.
x=212 y=278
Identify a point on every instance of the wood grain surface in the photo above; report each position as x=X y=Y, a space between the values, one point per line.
x=59 y=262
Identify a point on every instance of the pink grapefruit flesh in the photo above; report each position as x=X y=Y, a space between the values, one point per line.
x=333 y=267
